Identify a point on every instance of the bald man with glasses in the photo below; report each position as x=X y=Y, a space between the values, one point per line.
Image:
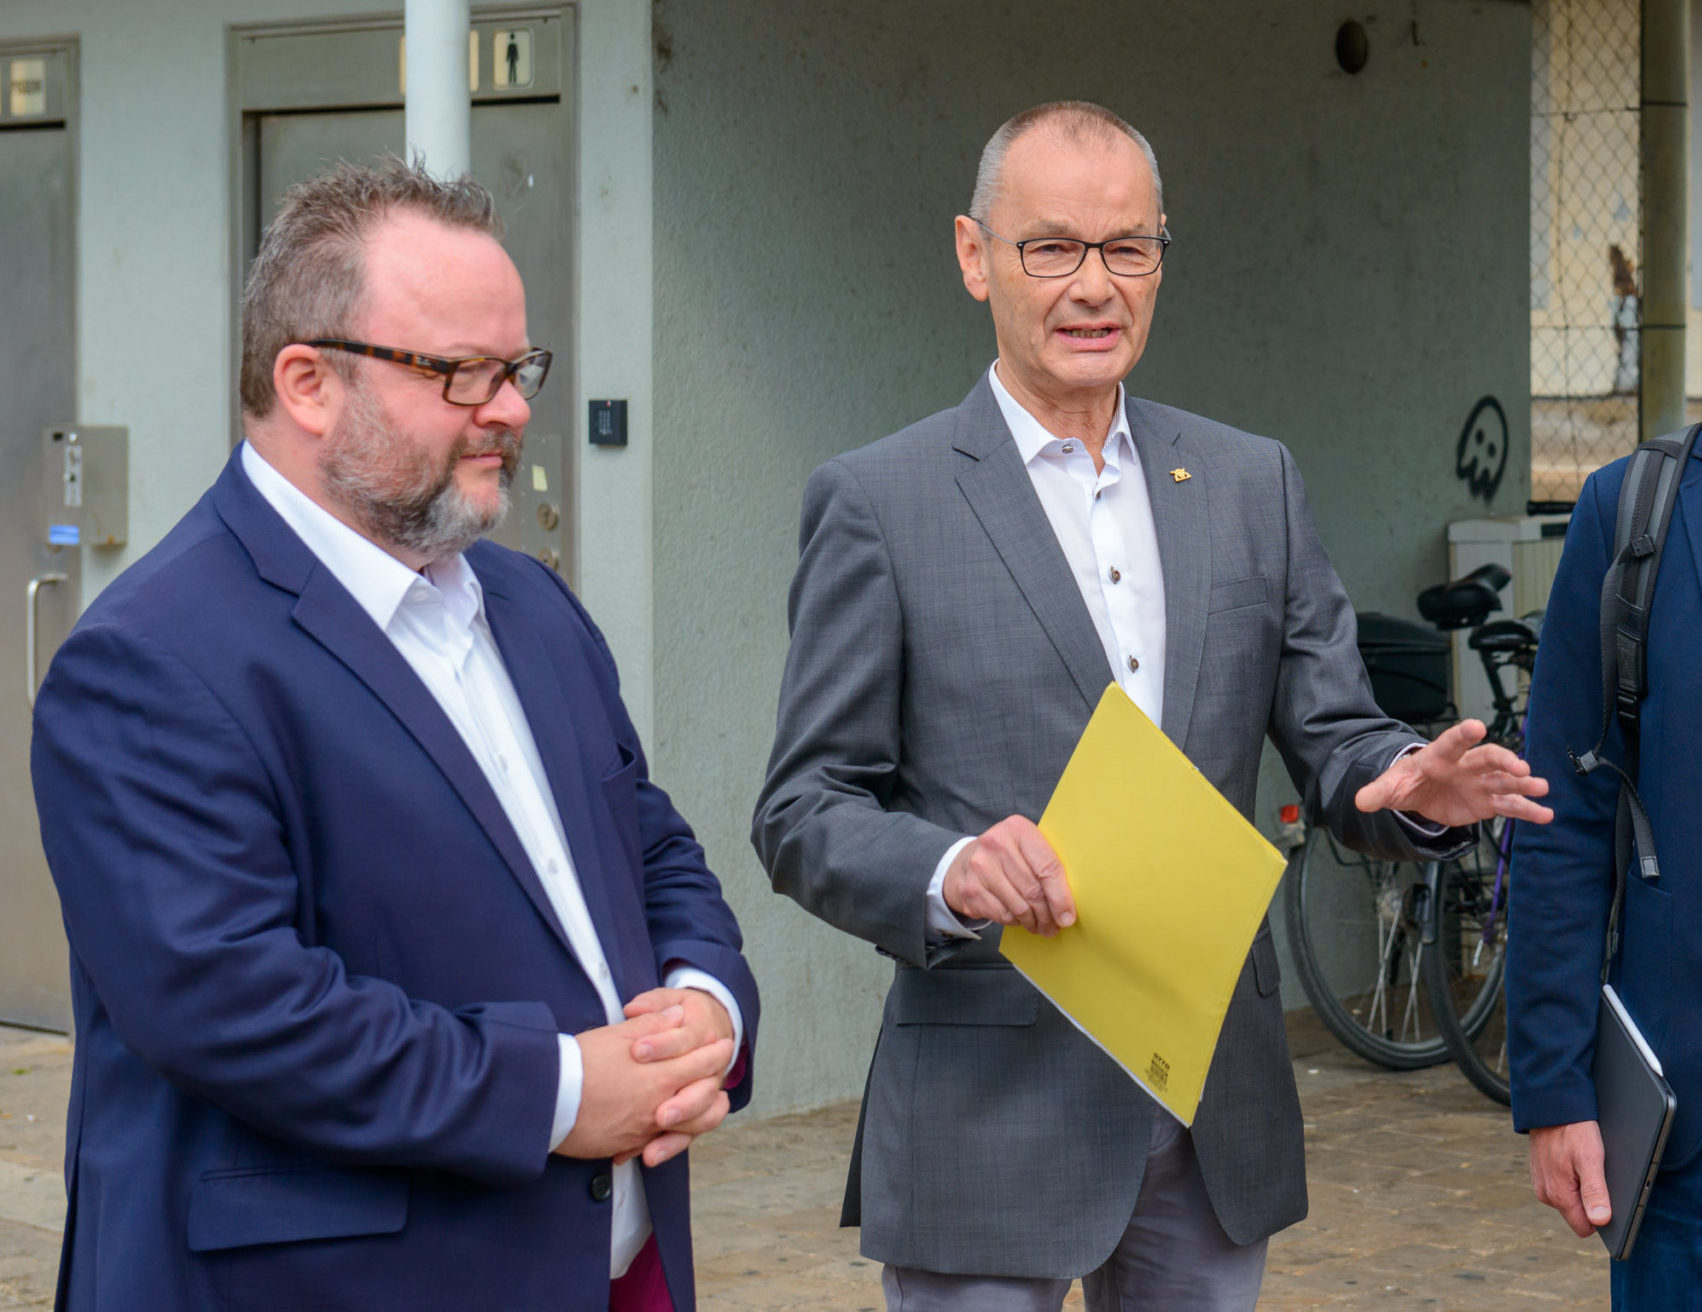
x=966 y=589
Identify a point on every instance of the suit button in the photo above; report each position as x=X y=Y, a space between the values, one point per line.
x=1134 y=663
x=602 y=1185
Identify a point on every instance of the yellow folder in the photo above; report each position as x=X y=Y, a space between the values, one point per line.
x=1170 y=885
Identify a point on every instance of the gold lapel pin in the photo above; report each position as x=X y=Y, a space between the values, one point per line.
x=1180 y=475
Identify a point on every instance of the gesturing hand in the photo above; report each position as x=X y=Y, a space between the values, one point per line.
x=1011 y=875
x=1453 y=781
x=1566 y=1172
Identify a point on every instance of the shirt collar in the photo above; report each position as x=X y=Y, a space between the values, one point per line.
x=1033 y=439
x=376 y=579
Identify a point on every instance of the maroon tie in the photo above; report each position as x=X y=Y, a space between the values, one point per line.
x=643 y=1288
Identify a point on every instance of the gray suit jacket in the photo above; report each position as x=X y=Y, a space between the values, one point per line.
x=942 y=667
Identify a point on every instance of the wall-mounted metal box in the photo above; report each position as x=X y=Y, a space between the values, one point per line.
x=1528 y=547
x=86 y=492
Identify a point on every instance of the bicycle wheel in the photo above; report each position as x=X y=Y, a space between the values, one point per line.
x=1351 y=922
x=1465 y=959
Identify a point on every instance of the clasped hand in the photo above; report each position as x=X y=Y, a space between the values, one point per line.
x=653 y=1082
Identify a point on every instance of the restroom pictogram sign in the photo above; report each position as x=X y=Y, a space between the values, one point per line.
x=511 y=58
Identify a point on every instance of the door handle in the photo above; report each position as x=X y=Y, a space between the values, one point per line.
x=32 y=594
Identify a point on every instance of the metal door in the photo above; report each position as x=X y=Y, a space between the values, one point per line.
x=314 y=96
x=39 y=585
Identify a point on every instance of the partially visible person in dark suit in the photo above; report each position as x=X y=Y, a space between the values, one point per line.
x=1566 y=874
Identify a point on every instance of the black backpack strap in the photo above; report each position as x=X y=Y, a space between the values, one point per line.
x=1643 y=517
x=1639 y=536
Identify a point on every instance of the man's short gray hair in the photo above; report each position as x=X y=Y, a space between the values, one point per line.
x=1077 y=120
x=310 y=275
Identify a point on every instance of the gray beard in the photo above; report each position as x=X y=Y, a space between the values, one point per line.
x=394 y=494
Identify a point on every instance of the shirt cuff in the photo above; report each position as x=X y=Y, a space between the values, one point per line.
x=942 y=920
x=689 y=977
x=1416 y=825
x=569 y=1086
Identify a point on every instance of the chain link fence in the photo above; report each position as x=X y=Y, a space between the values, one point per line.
x=1586 y=224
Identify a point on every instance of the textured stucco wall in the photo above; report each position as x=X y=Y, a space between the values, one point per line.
x=1349 y=275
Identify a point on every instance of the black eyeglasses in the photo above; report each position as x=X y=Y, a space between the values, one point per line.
x=1059 y=257
x=467 y=379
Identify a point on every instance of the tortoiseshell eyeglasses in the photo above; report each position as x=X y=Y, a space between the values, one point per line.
x=468 y=379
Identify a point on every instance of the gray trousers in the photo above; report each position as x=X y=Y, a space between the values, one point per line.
x=1174 y=1255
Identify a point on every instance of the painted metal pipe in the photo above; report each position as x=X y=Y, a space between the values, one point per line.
x=1664 y=128
x=438 y=109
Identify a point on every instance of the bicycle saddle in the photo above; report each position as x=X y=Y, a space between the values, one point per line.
x=1467 y=602
x=1509 y=636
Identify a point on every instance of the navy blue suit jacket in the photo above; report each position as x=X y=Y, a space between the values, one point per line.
x=1565 y=874
x=317 y=984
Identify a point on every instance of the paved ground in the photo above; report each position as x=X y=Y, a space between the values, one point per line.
x=1419 y=1200
x=35 y=1073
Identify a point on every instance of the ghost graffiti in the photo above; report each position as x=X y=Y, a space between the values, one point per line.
x=1481 y=457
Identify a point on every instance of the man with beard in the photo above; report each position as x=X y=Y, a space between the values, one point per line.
x=398 y=984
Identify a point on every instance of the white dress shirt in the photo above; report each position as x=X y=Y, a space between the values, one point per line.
x=1102 y=519
x=437 y=622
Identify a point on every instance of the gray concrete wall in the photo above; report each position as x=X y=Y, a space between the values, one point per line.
x=1349 y=275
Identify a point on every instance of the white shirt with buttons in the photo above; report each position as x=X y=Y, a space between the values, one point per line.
x=1103 y=520
x=437 y=622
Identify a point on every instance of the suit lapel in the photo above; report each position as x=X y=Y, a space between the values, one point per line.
x=325 y=610
x=550 y=718
x=1002 y=496
x=1690 y=497
x=1181 y=515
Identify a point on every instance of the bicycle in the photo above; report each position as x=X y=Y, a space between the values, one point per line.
x=1464 y=912
x=1356 y=923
